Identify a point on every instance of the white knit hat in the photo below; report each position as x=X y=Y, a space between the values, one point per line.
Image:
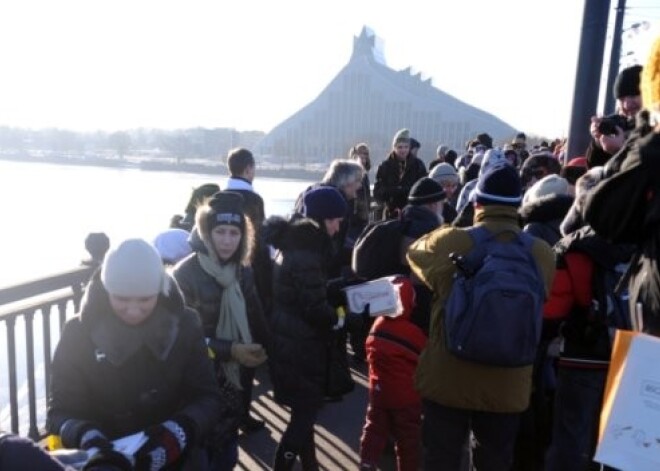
x=548 y=185
x=172 y=245
x=134 y=269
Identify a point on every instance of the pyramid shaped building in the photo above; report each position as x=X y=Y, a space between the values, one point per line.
x=368 y=102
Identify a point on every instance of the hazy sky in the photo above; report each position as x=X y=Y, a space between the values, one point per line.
x=249 y=64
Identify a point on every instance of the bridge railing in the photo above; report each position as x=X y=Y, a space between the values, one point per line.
x=56 y=294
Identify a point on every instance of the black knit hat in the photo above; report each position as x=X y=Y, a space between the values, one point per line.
x=627 y=82
x=426 y=190
x=499 y=185
x=414 y=143
x=226 y=207
x=324 y=202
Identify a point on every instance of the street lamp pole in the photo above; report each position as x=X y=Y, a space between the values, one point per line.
x=588 y=73
x=615 y=58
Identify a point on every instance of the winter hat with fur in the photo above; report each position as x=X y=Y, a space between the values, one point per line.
x=425 y=191
x=324 y=202
x=499 y=185
x=402 y=136
x=134 y=269
x=548 y=185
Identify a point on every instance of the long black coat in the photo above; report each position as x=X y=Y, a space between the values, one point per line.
x=302 y=318
x=96 y=380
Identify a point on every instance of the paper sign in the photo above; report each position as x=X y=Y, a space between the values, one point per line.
x=380 y=294
x=630 y=432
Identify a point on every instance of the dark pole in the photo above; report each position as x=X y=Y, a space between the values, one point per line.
x=588 y=73
x=615 y=57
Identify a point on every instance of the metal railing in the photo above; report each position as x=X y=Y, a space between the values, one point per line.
x=23 y=302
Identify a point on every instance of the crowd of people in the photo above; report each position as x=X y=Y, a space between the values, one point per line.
x=170 y=332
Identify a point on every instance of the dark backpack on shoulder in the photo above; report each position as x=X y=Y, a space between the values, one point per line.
x=377 y=250
x=493 y=314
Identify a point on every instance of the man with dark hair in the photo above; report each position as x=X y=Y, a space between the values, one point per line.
x=242 y=167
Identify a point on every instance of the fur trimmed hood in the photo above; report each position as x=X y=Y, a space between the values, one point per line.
x=546 y=208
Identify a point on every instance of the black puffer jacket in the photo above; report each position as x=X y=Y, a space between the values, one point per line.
x=302 y=318
x=124 y=379
x=542 y=217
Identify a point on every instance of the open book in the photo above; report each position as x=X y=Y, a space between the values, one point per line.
x=380 y=294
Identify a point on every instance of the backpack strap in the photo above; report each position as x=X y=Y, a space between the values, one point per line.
x=481 y=237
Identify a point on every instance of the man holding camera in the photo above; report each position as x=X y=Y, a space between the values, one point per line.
x=610 y=132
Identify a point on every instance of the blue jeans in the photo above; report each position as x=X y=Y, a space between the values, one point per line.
x=446 y=430
x=578 y=401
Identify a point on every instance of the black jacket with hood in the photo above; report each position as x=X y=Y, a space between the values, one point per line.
x=302 y=317
x=542 y=218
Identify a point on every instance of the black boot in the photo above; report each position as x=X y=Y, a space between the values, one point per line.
x=284 y=459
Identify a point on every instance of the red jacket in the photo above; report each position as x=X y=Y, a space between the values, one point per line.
x=571 y=286
x=393 y=349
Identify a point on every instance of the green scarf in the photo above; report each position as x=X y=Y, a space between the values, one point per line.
x=232 y=321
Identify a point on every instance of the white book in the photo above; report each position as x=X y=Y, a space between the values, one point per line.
x=380 y=294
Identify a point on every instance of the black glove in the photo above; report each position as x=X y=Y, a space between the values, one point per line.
x=165 y=444
x=82 y=434
x=358 y=320
x=108 y=460
x=336 y=297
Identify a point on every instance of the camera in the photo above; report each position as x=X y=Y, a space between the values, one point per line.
x=608 y=124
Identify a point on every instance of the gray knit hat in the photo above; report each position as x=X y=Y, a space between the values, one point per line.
x=134 y=269
x=402 y=135
x=444 y=171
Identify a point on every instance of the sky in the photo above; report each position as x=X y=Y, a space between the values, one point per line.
x=108 y=65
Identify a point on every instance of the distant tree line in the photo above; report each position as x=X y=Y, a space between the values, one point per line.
x=193 y=143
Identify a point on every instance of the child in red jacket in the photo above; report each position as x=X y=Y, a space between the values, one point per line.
x=395 y=408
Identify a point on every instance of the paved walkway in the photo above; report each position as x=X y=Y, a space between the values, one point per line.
x=338 y=429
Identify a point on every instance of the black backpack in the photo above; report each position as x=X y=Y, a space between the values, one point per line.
x=377 y=250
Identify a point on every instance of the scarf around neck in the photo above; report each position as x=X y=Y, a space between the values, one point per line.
x=232 y=320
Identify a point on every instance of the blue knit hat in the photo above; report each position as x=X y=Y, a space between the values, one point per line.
x=499 y=185
x=324 y=202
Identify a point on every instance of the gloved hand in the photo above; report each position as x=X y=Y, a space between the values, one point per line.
x=250 y=355
x=334 y=292
x=214 y=346
x=82 y=434
x=357 y=320
x=164 y=446
x=108 y=460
